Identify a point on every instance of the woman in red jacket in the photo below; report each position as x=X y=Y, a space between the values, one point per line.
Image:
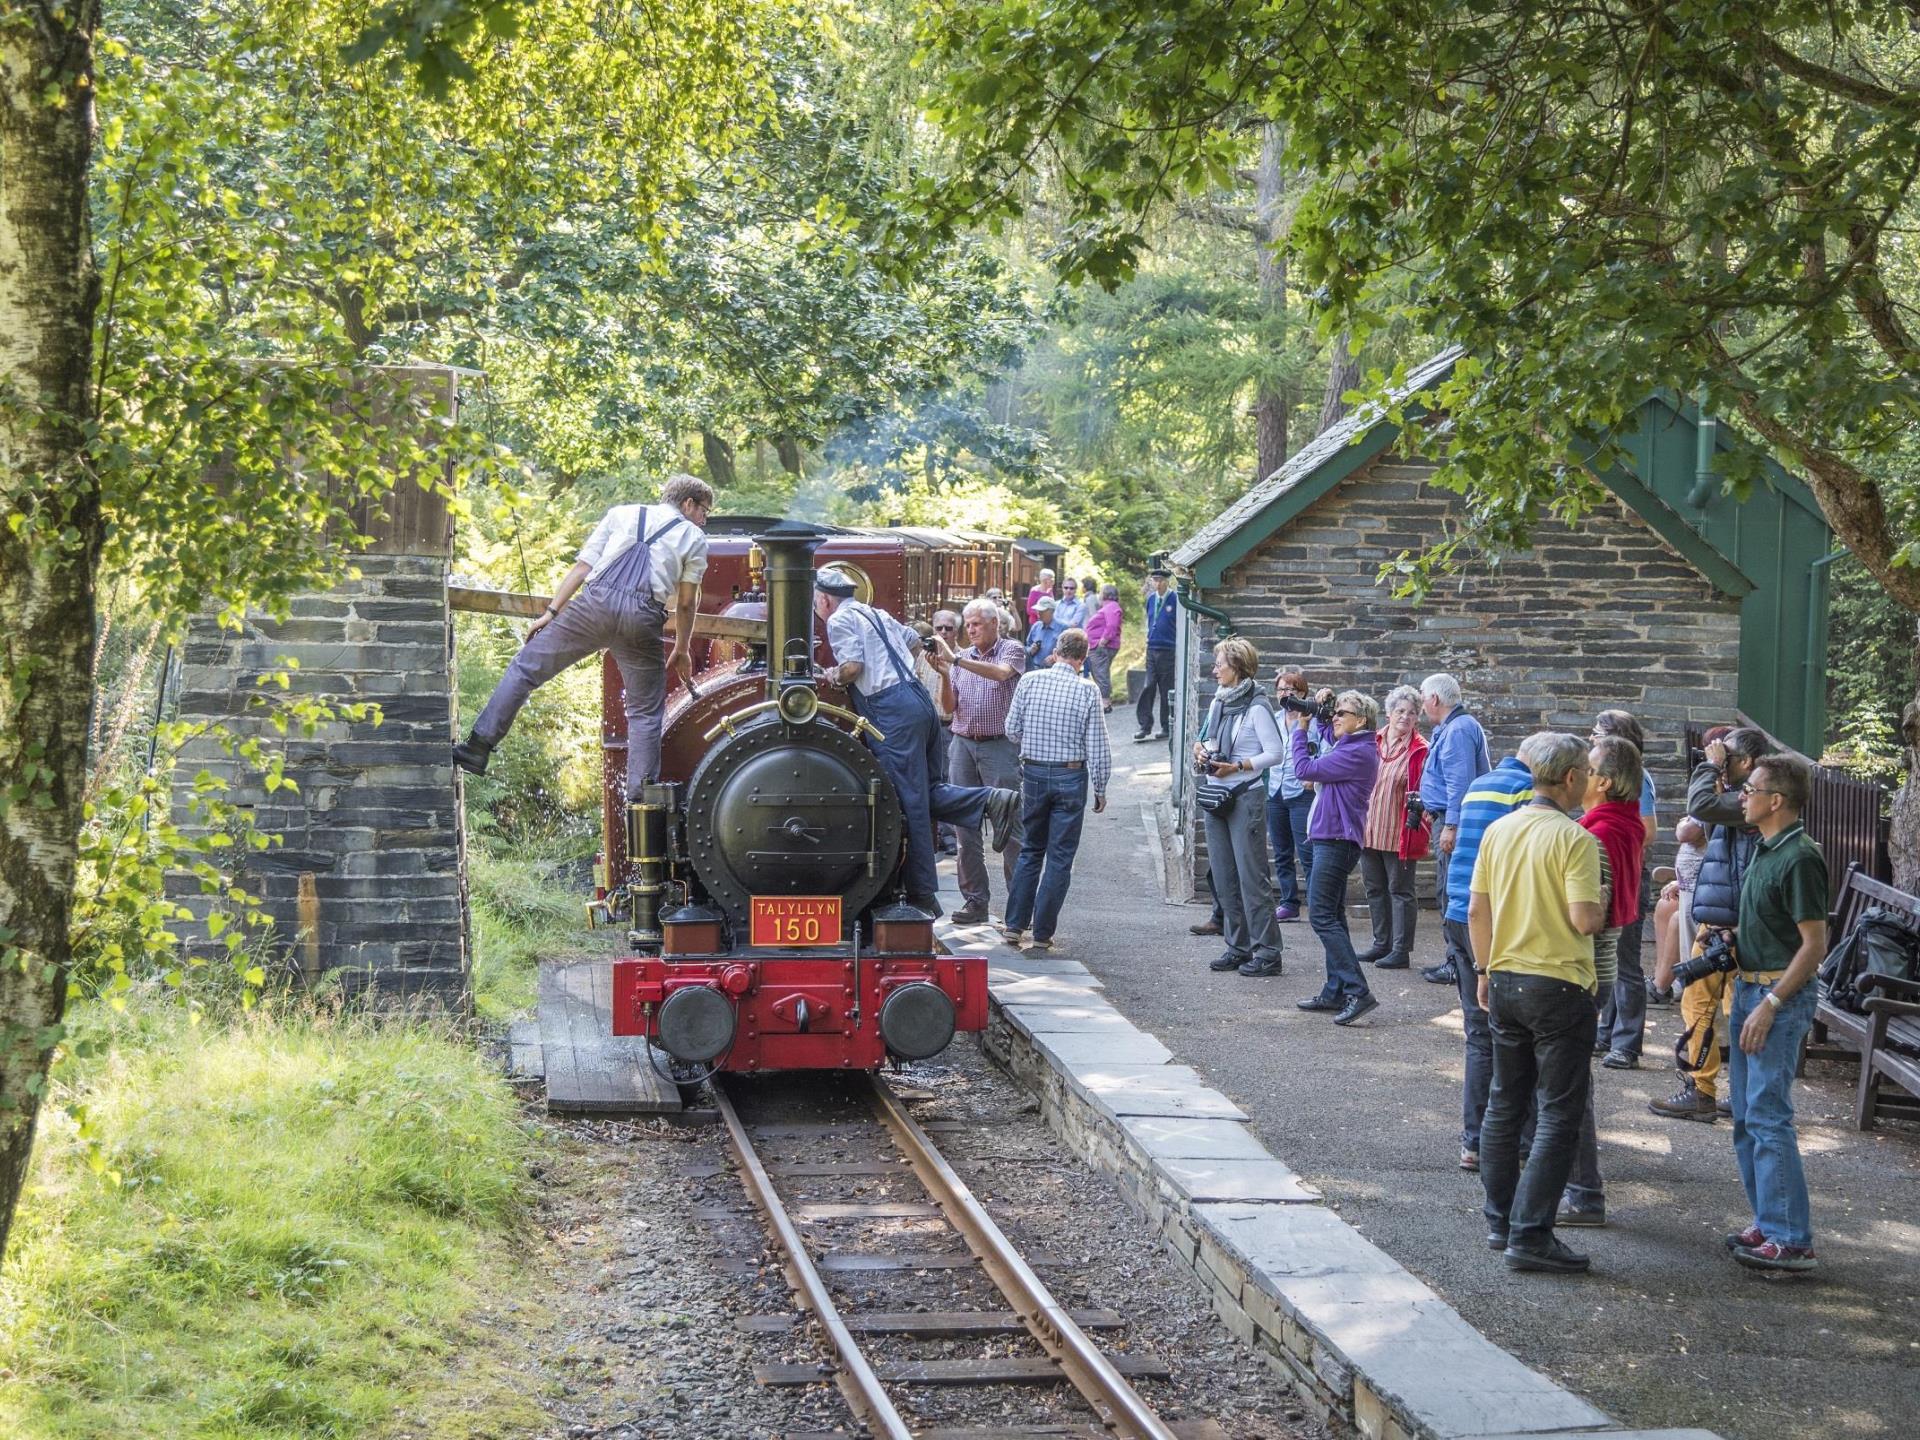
x=1392 y=843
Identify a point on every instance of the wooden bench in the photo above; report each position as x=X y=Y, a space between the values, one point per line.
x=1885 y=1042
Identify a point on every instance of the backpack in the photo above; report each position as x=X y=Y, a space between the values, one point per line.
x=1882 y=942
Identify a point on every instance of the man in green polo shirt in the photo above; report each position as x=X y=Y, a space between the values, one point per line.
x=1783 y=935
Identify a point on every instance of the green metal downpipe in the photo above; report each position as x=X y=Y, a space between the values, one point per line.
x=1706 y=437
x=1222 y=622
x=1814 y=702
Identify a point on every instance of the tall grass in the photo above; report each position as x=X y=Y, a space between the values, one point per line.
x=527 y=902
x=299 y=1223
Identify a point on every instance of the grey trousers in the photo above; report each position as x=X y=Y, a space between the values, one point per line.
x=1100 y=662
x=589 y=623
x=983 y=762
x=1243 y=876
x=1391 y=903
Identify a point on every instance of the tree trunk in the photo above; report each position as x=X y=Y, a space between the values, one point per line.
x=788 y=449
x=719 y=457
x=1272 y=402
x=50 y=547
x=1343 y=374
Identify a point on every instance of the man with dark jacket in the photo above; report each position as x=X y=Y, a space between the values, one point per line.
x=1713 y=798
x=1161 y=643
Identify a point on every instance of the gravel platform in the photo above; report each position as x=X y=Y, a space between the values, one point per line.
x=656 y=1255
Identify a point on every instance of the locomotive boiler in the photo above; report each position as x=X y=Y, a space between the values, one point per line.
x=764 y=888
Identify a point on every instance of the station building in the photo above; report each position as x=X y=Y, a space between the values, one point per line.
x=1674 y=600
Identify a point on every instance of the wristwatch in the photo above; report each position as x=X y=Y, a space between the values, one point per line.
x=1771 y=998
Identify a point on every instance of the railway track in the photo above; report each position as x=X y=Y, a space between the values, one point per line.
x=1033 y=1343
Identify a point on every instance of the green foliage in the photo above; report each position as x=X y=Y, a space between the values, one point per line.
x=1870 y=655
x=1593 y=201
x=297 y=1223
x=527 y=906
x=1866 y=745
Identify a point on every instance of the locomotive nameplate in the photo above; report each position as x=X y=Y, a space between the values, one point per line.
x=787 y=921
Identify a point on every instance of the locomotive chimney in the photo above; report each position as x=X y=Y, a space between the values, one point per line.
x=789 y=548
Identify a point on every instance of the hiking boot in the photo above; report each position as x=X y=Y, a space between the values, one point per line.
x=1723 y=1106
x=970 y=915
x=1686 y=1103
x=471 y=754
x=1205 y=927
x=1260 y=969
x=1771 y=1255
x=1621 y=1060
x=1751 y=1238
x=1556 y=1259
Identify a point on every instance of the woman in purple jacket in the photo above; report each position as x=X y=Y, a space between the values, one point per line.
x=1103 y=641
x=1345 y=774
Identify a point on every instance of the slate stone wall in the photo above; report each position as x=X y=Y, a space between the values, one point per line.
x=1607 y=615
x=374 y=837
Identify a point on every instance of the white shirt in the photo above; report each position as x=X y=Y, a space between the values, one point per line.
x=679 y=556
x=854 y=640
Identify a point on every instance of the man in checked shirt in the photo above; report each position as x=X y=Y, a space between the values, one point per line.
x=1058 y=722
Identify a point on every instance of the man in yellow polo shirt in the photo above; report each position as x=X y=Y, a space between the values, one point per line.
x=1533 y=909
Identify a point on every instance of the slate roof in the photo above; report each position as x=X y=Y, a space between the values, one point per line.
x=1305 y=461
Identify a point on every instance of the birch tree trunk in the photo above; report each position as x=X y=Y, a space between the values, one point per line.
x=50 y=541
x=1271 y=404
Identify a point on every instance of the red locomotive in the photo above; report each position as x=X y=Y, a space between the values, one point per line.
x=760 y=875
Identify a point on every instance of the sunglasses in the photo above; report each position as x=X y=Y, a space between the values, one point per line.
x=1757 y=790
x=946 y=627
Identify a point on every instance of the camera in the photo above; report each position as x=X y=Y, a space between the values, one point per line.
x=1416 y=810
x=1203 y=766
x=1716 y=958
x=1320 y=710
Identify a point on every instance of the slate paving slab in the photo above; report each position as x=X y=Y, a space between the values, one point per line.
x=1269 y=1180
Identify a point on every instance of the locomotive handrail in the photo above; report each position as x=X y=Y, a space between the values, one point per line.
x=859 y=723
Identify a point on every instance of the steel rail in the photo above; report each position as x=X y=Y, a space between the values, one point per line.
x=1119 y=1406
x=855 y=1377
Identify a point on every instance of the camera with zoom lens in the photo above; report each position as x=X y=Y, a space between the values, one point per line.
x=1716 y=958
x=1321 y=710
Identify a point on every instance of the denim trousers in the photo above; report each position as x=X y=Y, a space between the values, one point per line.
x=1392 y=905
x=1765 y=1143
x=1287 y=839
x=1623 y=1024
x=1243 y=877
x=1586 y=1187
x=1473 y=1017
x=1542 y=1032
x=1333 y=862
x=1459 y=951
x=1053 y=803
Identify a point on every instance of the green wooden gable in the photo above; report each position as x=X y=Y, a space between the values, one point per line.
x=1771 y=551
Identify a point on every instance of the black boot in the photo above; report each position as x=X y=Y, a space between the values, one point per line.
x=471 y=754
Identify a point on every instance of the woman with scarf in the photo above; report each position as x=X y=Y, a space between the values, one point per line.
x=1392 y=843
x=1241 y=741
x=1345 y=774
x=1613 y=818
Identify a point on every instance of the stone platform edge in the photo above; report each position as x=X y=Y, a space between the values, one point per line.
x=1367 y=1344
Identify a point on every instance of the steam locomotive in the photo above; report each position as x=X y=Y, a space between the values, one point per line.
x=761 y=874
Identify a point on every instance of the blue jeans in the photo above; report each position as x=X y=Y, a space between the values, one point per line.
x=1333 y=862
x=1542 y=1056
x=1287 y=837
x=1764 y=1139
x=1053 y=805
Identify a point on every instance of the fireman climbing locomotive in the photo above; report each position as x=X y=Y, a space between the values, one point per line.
x=763 y=881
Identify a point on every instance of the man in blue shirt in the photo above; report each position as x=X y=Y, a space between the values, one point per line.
x=1456 y=757
x=1160 y=650
x=1500 y=792
x=1043 y=635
